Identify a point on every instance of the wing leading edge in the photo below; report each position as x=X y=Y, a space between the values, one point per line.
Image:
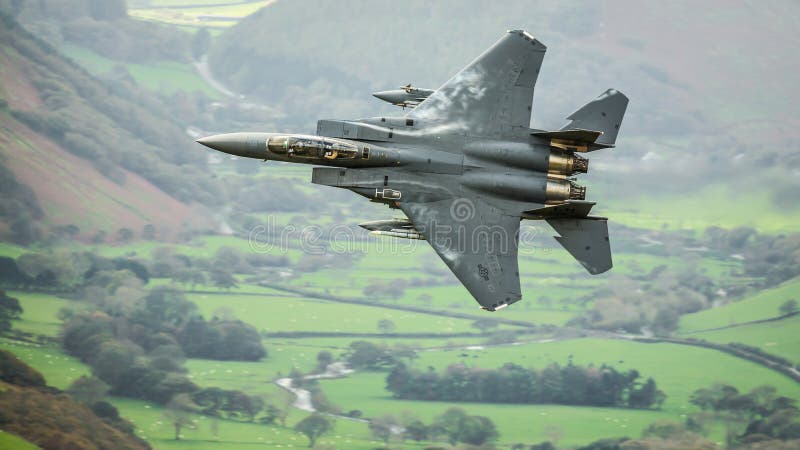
x=492 y=95
x=477 y=242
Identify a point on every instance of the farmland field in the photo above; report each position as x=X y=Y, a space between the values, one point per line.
x=779 y=338
x=678 y=370
x=757 y=306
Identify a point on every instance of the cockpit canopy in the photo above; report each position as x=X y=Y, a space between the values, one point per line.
x=311 y=147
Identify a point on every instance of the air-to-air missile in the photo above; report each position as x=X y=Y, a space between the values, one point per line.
x=465 y=167
x=407 y=96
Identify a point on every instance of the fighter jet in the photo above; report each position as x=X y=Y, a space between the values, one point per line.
x=465 y=168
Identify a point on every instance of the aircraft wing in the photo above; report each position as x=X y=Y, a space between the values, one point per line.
x=476 y=241
x=492 y=95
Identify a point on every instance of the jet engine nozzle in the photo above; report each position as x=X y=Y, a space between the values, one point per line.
x=559 y=191
x=562 y=162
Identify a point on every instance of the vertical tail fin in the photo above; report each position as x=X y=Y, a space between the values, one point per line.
x=603 y=114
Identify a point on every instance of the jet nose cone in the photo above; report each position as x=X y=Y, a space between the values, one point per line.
x=238 y=144
x=222 y=142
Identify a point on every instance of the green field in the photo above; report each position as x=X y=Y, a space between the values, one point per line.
x=272 y=314
x=678 y=370
x=713 y=205
x=757 y=306
x=197 y=13
x=161 y=76
x=11 y=442
x=153 y=426
x=779 y=338
x=40 y=312
x=11 y=250
x=515 y=423
x=59 y=369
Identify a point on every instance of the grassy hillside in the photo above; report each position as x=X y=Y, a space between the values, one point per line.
x=105 y=153
x=779 y=338
x=162 y=76
x=81 y=195
x=758 y=306
x=8 y=440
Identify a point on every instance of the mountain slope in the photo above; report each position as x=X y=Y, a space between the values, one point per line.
x=95 y=155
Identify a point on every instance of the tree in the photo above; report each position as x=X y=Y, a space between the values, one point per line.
x=114 y=360
x=324 y=359
x=88 y=390
x=788 y=307
x=178 y=413
x=665 y=321
x=9 y=310
x=477 y=430
x=416 y=430
x=124 y=234
x=386 y=326
x=366 y=355
x=383 y=426
x=200 y=43
x=314 y=426
x=449 y=424
x=149 y=232
x=484 y=325
x=223 y=279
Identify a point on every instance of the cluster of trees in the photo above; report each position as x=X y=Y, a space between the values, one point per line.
x=138 y=347
x=567 y=385
x=760 y=415
x=217 y=270
x=654 y=300
x=66 y=271
x=10 y=309
x=19 y=204
x=365 y=355
x=51 y=419
x=454 y=425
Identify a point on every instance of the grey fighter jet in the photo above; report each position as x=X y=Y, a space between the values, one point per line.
x=465 y=167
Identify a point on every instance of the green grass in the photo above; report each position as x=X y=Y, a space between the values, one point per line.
x=161 y=76
x=760 y=305
x=713 y=205
x=11 y=442
x=515 y=423
x=39 y=312
x=218 y=14
x=59 y=369
x=153 y=426
x=678 y=370
x=11 y=250
x=780 y=338
x=272 y=314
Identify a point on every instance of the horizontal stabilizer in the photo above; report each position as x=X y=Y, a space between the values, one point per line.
x=586 y=240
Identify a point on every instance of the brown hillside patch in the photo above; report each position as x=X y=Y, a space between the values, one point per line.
x=71 y=191
x=16 y=85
